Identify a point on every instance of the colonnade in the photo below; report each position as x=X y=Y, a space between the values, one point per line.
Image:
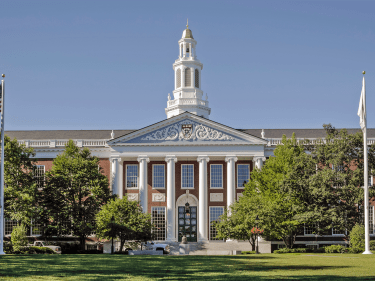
x=171 y=160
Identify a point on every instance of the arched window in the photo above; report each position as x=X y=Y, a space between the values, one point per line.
x=196 y=78
x=178 y=78
x=188 y=77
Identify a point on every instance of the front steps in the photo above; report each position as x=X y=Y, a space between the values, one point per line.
x=219 y=247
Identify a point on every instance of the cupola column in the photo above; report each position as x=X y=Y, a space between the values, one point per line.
x=183 y=77
x=192 y=77
x=180 y=50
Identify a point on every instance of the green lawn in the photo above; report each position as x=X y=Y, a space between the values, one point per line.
x=249 y=267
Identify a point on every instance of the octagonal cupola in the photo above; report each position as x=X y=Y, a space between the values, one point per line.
x=187 y=94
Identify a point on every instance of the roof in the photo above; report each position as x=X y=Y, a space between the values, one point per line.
x=65 y=134
x=106 y=134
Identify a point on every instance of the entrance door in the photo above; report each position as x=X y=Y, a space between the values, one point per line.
x=187 y=224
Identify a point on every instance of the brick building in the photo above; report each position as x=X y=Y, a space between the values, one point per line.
x=186 y=158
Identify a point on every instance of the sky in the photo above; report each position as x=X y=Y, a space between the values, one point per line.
x=86 y=65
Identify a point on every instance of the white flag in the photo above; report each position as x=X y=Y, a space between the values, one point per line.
x=362 y=106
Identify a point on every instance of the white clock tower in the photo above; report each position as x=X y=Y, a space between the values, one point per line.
x=187 y=94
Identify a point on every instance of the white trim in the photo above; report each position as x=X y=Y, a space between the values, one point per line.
x=222 y=177
x=153 y=186
x=182 y=176
x=126 y=176
x=241 y=187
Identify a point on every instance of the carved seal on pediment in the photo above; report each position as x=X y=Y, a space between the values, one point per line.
x=186 y=130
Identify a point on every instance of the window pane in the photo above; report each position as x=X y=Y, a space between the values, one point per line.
x=187 y=176
x=243 y=174
x=9 y=224
x=158 y=222
x=216 y=176
x=371 y=219
x=158 y=176
x=215 y=213
x=131 y=175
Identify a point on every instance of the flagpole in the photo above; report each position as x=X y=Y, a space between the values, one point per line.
x=365 y=160
x=2 y=170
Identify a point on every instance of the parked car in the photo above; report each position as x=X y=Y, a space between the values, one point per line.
x=56 y=249
x=150 y=245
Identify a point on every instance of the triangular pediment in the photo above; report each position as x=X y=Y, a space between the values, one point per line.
x=186 y=129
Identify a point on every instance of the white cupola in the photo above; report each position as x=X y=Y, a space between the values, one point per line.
x=187 y=94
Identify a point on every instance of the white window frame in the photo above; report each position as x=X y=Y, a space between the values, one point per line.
x=126 y=176
x=182 y=187
x=222 y=178
x=209 y=221
x=309 y=227
x=242 y=187
x=36 y=176
x=165 y=221
x=153 y=183
x=32 y=229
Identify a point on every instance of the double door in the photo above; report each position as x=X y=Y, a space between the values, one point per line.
x=187 y=224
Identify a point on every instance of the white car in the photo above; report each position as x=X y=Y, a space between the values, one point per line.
x=56 y=249
x=150 y=245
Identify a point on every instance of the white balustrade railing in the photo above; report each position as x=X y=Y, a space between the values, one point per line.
x=37 y=143
x=276 y=141
x=182 y=101
x=61 y=143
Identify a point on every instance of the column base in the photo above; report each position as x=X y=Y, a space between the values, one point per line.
x=2 y=253
x=367 y=253
x=172 y=240
x=204 y=240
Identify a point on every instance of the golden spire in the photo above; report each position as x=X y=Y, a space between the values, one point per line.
x=187 y=23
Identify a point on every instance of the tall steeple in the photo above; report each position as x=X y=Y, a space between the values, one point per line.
x=187 y=94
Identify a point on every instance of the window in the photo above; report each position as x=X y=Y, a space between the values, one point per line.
x=39 y=171
x=216 y=180
x=178 y=78
x=36 y=228
x=196 y=78
x=132 y=176
x=310 y=229
x=158 y=222
x=370 y=181
x=158 y=176
x=243 y=174
x=215 y=213
x=187 y=77
x=187 y=176
x=9 y=224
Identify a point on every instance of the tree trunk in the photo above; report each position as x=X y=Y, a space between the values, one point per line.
x=82 y=241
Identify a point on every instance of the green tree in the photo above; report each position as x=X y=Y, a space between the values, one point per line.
x=75 y=191
x=18 y=237
x=130 y=222
x=357 y=238
x=20 y=192
x=265 y=195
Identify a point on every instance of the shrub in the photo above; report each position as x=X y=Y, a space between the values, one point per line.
x=18 y=237
x=336 y=249
x=357 y=238
x=293 y=250
x=247 y=252
x=8 y=248
x=372 y=245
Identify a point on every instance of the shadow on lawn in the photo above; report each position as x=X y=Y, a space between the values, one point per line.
x=106 y=267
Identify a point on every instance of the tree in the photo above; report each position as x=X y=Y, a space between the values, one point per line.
x=20 y=192
x=18 y=237
x=130 y=222
x=75 y=191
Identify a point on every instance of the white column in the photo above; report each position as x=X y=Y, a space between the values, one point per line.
x=171 y=200
x=190 y=52
x=202 y=212
x=180 y=50
x=192 y=77
x=183 y=76
x=258 y=162
x=231 y=179
x=143 y=160
x=115 y=175
x=193 y=52
x=120 y=182
x=184 y=49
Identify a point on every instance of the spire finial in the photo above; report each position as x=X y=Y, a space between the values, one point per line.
x=187 y=23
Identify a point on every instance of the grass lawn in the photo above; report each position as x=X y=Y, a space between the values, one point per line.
x=249 y=267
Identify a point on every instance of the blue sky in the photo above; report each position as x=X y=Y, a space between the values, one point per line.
x=108 y=64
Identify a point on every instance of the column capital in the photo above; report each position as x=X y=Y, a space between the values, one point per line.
x=256 y=158
x=231 y=158
x=170 y=158
x=203 y=158
x=143 y=157
x=113 y=159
